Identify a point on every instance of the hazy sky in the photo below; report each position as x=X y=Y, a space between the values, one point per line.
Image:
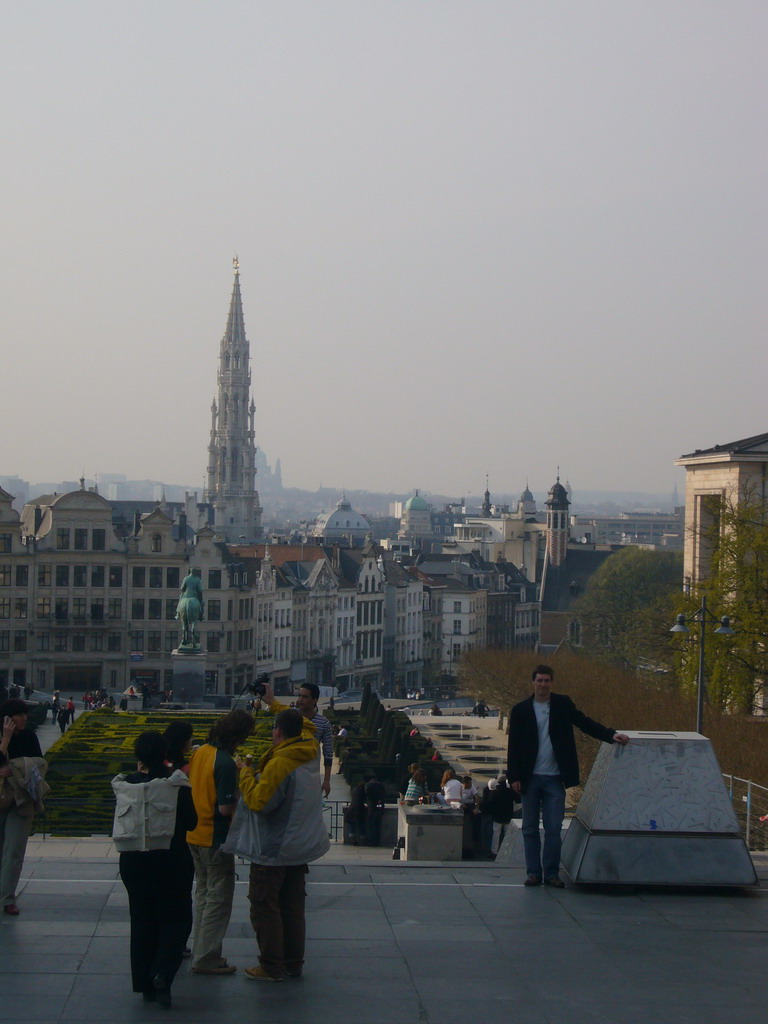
x=475 y=236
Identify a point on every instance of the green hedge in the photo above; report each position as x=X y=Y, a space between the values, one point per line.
x=97 y=747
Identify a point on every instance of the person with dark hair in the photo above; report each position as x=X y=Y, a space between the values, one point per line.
x=178 y=743
x=213 y=775
x=543 y=763
x=306 y=702
x=19 y=797
x=283 y=805
x=153 y=812
x=355 y=813
x=374 y=799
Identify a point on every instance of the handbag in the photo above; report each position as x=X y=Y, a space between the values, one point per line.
x=243 y=838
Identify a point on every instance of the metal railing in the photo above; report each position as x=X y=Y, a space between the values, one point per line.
x=750 y=802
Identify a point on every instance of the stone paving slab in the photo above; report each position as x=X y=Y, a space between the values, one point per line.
x=391 y=943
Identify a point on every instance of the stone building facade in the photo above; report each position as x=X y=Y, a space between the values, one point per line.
x=712 y=475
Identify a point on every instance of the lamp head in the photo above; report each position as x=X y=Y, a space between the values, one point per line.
x=679 y=626
x=725 y=627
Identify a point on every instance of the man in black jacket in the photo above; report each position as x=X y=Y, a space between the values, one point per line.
x=542 y=763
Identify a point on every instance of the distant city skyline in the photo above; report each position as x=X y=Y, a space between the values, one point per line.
x=474 y=237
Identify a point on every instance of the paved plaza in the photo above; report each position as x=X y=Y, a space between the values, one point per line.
x=392 y=943
x=396 y=943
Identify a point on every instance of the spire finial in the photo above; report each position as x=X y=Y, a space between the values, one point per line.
x=236 y=265
x=558 y=474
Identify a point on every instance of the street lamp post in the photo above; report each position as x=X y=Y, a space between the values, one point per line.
x=700 y=616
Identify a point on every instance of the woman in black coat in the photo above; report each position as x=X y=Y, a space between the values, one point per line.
x=158 y=881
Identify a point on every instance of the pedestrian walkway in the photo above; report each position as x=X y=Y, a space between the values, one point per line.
x=397 y=943
x=394 y=943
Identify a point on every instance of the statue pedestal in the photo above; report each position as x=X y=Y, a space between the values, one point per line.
x=657 y=812
x=188 y=677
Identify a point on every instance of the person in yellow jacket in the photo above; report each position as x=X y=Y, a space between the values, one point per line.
x=213 y=776
x=283 y=801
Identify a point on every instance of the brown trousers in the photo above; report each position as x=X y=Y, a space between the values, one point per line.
x=276 y=895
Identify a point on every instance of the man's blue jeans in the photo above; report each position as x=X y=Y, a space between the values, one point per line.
x=543 y=795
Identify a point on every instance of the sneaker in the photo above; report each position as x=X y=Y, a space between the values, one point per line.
x=221 y=969
x=533 y=880
x=555 y=882
x=259 y=974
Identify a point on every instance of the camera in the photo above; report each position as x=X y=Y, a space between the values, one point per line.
x=257 y=687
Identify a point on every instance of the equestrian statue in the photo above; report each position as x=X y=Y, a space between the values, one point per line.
x=189 y=611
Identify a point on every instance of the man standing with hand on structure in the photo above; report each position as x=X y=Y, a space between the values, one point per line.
x=284 y=834
x=542 y=763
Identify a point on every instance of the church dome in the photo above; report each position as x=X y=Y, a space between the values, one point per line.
x=416 y=504
x=343 y=521
x=558 y=496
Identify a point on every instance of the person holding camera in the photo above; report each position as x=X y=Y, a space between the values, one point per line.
x=306 y=702
x=279 y=829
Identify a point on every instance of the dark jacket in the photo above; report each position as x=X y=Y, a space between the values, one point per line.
x=524 y=738
x=499 y=803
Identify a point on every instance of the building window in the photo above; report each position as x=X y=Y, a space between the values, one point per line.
x=214 y=579
x=155 y=577
x=78 y=607
x=457 y=625
x=43 y=608
x=43 y=575
x=171 y=640
x=114 y=642
x=172 y=578
x=22 y=575
x=5 y=607
x=138 y=576
x=5 y=640
x=115 y=608
x=137 y=640
x=62 y=608
x=156 y=543
x=115 y=575
x=78 y=641
x=62 y=539
x=137 y=608
x=98 y=573
x=99 y=540
x=213 y=643
x=97 y=609
x=170 y=607
x=213 y=611
x=20 y=608
x=155 y=608
x=43 y=641
x=62 y=575
x=5 y=543
x=79 y=575
x=5 y=575
x=154 y=640
x=96 y=642
x=59 y=641
x=456 y=607
x=81 y=539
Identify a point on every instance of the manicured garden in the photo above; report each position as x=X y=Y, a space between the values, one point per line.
x=100 y=745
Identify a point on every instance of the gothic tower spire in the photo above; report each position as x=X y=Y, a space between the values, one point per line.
x=231 y=486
